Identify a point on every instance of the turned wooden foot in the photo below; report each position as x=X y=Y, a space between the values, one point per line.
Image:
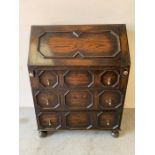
x=42 y=133
x=115 y=133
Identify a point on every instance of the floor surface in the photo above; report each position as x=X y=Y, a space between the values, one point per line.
x=75 y=142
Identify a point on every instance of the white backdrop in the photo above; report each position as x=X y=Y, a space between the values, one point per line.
x=48 y=12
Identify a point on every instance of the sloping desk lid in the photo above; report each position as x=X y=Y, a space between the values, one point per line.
x=79 y=45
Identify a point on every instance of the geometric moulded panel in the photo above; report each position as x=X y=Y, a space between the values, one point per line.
x=86 y=44
x=48 y=79
x=110 y=99
x=107 y=120
x=47 y=100
x=50 y=120
x=78 y=99
x=78 y=120
x=110 y=78
x=78 y=78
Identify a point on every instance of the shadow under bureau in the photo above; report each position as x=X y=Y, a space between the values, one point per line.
x=79 y=76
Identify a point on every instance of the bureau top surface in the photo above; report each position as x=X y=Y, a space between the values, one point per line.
x=79 y=45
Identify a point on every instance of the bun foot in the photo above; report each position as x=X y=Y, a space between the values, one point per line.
x=42 y=133
x=115 y=133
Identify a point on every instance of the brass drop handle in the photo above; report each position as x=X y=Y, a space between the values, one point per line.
x=109 y=81
x=49 y=123
x=107 y=122
x=125 y=72
x=48 y=82
x=31 y=74
x=84 y=96
x=110 y=102
x=47 y=102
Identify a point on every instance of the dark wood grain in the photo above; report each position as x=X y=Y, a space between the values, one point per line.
x=79 y=76
x=69 y=44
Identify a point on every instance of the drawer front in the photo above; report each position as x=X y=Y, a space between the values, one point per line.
x=76 y=78
x=78 y=99
x=79 y=120
x=83 y=99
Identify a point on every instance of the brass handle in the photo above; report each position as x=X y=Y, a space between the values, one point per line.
x=48 y=82
x=107 y=123
x=49 y=123
x=109 y=81
x=125 y=73
x=110 y=102
x=31 y=74
x=47 y=102
x=84 y=96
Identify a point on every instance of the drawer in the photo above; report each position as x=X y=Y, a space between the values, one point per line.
x=79 y=99
x=77 y=78
x=110 y=99
x=79 y=120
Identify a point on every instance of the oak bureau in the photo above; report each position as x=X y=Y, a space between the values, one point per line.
x=79 y=76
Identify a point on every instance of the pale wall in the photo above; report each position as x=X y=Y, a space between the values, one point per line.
x=42 y=12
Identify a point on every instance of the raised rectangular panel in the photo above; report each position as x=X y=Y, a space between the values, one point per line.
x=78 y=78
x=78 y=120
x=79 y=44
x=78 y=99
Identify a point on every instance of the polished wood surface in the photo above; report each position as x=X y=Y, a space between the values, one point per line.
x=82 y=44
x=79 y=45
x=79 y=76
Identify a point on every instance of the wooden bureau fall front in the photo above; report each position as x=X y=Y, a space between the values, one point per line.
x=79 y=76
